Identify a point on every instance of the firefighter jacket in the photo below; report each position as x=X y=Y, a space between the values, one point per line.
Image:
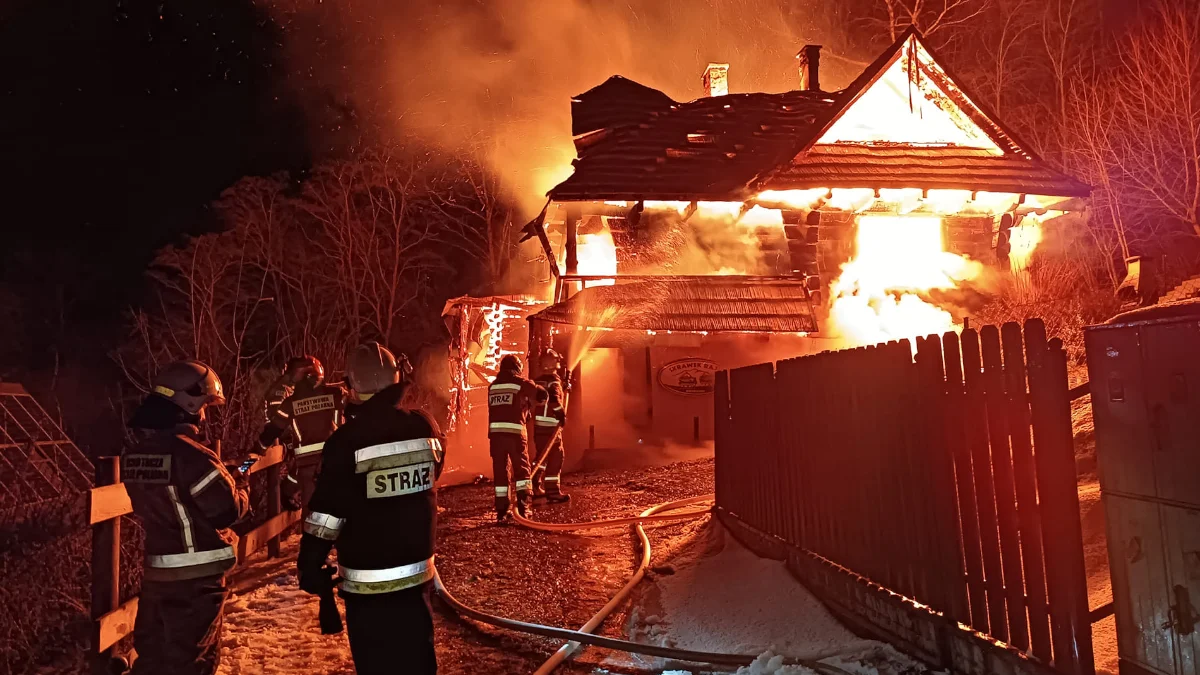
x=277 y=393
x=549 y=413
x=187 y=501
x=375 y=498
x=312 y=413
x=511 y=400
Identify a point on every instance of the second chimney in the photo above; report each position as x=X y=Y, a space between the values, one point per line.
x=809 y=61
x=716 y=79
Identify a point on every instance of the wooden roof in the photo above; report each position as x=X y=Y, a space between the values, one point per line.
x=636 y=143
x=710 y=304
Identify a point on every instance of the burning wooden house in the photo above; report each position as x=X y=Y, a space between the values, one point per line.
x=739 y=228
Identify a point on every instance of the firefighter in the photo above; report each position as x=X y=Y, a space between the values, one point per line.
x=549 y=419
x=278 y=392
x=376 y=501
x=511 y=400
x=312 y=412
x=186 y=501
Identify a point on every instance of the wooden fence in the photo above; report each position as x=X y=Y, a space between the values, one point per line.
x=948 y=479
x=113 y=619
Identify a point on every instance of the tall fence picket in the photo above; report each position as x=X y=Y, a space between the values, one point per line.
x=1006 y=496
x=960 y=451
x=948 y=479
x=1025 y=480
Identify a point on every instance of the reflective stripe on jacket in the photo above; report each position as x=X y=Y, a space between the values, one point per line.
x=511 y=399
x=375 y=498
x=186 y=500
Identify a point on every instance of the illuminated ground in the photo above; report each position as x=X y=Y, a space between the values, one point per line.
x=562 y=579
x=547 y=578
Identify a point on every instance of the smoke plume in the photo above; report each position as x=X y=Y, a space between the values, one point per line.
x=495 y=78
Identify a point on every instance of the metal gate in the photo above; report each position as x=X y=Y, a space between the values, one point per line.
x=1144 y=368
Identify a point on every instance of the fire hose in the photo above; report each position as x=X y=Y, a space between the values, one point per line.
x=584 y=636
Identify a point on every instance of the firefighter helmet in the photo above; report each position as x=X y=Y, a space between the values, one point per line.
x=305 y=368
x=191 y=385
x=511 y=364
x=549 y=361
x=371 y=368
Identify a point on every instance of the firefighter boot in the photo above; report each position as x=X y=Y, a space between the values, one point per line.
x=525 y=503
x=554 y=493
x=539 y=488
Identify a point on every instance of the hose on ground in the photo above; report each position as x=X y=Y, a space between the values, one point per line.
x=576 y=638
x=646 y=517
x=564 y=652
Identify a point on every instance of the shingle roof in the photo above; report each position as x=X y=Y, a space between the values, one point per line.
x=901 y=166
x=637 y=143
x=710 y=148
x=710 y=304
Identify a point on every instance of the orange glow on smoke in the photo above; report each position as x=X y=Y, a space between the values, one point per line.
x=879 y=295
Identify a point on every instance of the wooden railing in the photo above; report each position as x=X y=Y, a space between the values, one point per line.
x=948 y=479
x=113 y=620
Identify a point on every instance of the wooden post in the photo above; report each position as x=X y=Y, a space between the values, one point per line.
x=106 y=564
x=592 y=437
x=274 y=505
x=572 y=244
x=696 y=430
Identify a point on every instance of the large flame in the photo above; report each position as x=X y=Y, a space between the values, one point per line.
x=882 y=293
x=598 y=256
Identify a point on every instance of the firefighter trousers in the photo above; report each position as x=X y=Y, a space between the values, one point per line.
x=391 y=632
x=178 y=627
x=548 y=478
x=506 y=449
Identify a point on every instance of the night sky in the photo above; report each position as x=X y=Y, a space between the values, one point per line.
x=120 y=122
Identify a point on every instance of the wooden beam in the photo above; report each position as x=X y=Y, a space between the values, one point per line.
x=259 y=536
x=108 y=502
x=116 y=624
x=572 y=225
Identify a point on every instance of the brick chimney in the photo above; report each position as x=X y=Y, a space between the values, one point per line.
x=809 y=62
x=716 y=79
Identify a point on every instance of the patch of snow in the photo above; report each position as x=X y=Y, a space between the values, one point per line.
x=273 y=629
x=724 y=598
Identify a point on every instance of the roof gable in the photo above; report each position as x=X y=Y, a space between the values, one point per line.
x=912 y=66
x=904 y=105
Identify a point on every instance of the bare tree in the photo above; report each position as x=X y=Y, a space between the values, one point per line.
x=931 y=17
x=365 y=248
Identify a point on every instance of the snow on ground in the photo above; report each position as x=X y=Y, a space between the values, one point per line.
x=271 y=626
x=720 y=597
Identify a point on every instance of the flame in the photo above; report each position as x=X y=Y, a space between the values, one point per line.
x=758 y=216
x=1024 y=239
x=851 y=199
x=598 y=257
x=656 y=205
x=898 y=259
x=496 y=317
x=796 y=199
x=718 y=210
